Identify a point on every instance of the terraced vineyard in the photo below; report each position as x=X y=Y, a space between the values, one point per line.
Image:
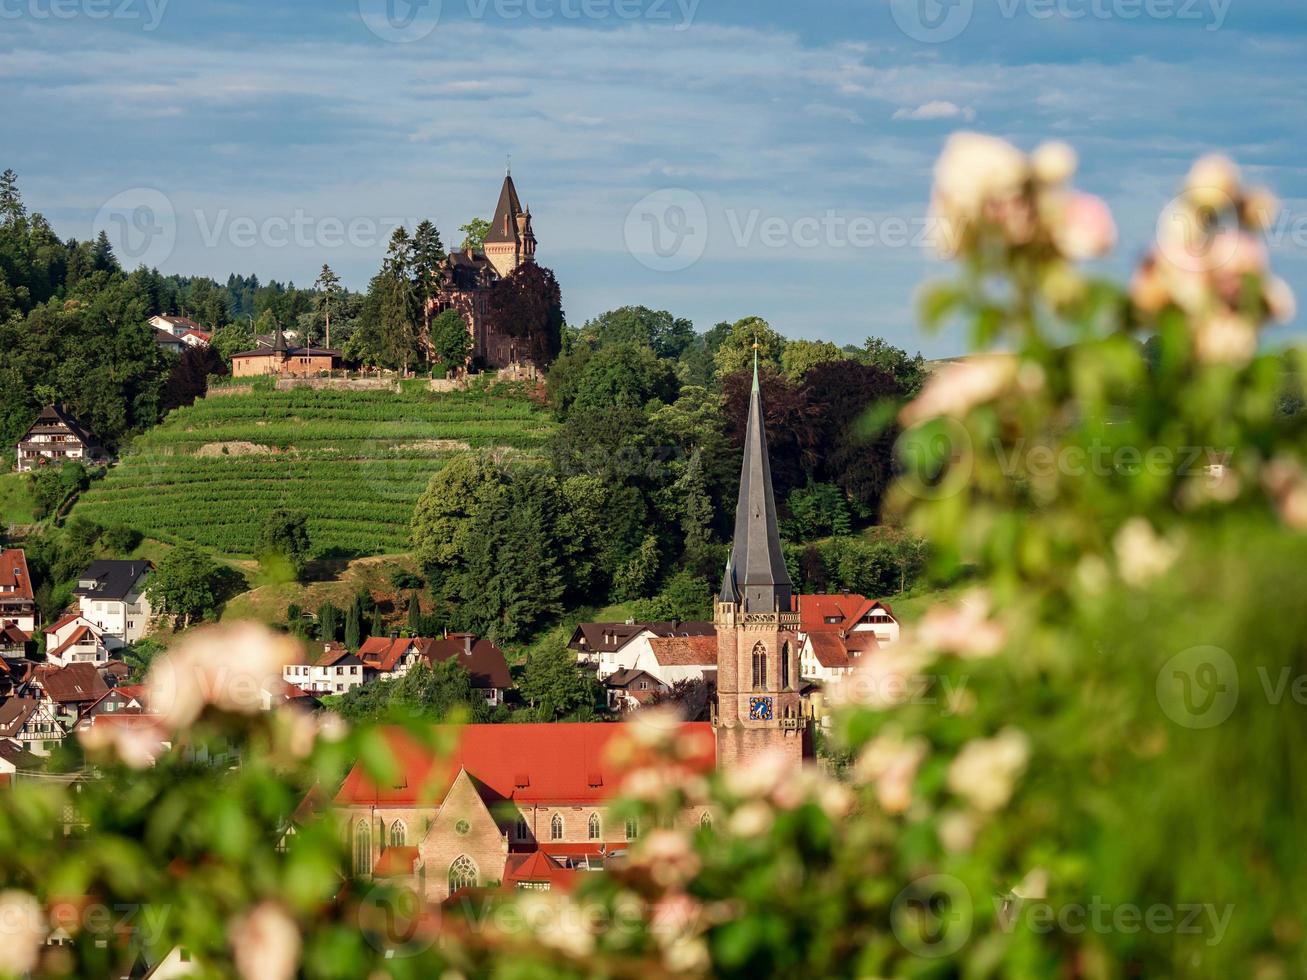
x=353 y=461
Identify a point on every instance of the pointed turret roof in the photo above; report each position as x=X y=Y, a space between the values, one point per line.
x=504 y=225
x=279 y=340
x=755 y=571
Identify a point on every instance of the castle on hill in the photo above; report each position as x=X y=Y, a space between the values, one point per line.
x=469 y=276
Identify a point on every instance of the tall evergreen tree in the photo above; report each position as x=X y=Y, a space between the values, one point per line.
x=11 y=201
x=397 y=303
x=428 y=275
x=352 y=625
x=414 y=614
x=327 y=284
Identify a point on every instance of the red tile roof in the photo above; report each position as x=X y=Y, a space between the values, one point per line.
x=531 y=763
x=686 y=651
x=814 y=610
x=71 y=617
x=12 y=636
x=75 y=637
x=13 y=572
x=382 y=653
x=72 y=684
x=538 y=867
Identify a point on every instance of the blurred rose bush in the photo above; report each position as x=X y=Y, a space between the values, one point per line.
x=1120 y=470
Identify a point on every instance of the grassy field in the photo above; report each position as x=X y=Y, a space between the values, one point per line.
x=354 y=462
x=15 y=500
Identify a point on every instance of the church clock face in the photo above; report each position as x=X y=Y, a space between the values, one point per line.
x=760 y=709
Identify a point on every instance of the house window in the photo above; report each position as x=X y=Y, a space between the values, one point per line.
x=362 y=848
x=398 y=834
x=594 y=826
x=521 y=831
x=632 y=828
x=556 y=828
x=462 y=874
x=759 y=667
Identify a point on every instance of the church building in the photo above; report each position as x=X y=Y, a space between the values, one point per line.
x=469 y=276
x=759 y=704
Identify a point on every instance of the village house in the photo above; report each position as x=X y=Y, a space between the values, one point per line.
x=284 y=360
x=75 y=639
x=483 y=661
x=127 y=700
x=333 y=671
x=627 y=690
x=672 y=659
x=111 y=595
x=56 y=437
x=13 y=643
x=469 y=275
x=838 y=630
x=169 y=342
x=68 y=691
x=32 y=723
x=336 y=670
x=17 y=596
x=610 y=647
x=475 y=816
x=190 y=333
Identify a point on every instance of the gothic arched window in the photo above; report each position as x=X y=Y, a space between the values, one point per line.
x=705 y=821
x=760 y=668
x=594 y=826
x=556 y=828
x=362 y=848
x=462 y=874
x=398 y=834
x=523 y=832
x=785 y=665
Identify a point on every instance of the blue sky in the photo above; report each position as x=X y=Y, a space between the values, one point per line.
x=781 y=151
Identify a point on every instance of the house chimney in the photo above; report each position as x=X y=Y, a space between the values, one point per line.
x=394 y=634
x=467 y=644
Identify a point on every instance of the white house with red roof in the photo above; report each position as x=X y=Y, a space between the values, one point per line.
x=477 y=812
x=613 y=647
x=675 y=658
x=836 y=631
x=75 y=639
x=190 y=333
x=17 y=596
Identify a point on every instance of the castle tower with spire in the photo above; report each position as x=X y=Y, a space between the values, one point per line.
x=470 y=274
x=759 y=707
x=510 y=241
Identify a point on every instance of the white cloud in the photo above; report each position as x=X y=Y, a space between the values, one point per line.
x=936 y=110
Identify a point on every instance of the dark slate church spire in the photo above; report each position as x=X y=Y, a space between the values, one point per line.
x=755 y=572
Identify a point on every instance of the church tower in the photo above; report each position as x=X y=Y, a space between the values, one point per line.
x=759 y=707
x=510 y=241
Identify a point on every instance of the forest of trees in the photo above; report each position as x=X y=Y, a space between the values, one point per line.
x=636 y=500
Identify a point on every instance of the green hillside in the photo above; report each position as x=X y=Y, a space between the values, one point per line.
x=353 y=461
